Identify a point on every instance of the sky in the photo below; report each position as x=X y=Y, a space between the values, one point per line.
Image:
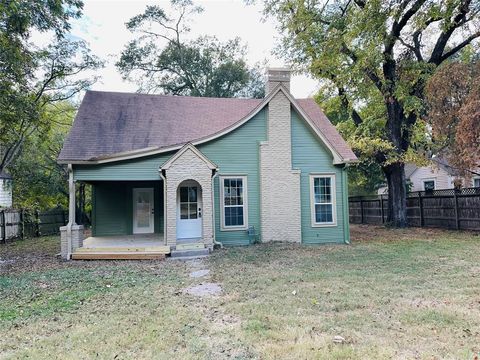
x=103 y=27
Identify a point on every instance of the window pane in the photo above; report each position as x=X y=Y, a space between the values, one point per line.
x=228 y=216
x=183 y=194
x=476 y=183
x=322 y=188
x=183 y=211
x=193 y=211
x=234 y=216
x=192 y=194
x=429 y=185
x=323 y=213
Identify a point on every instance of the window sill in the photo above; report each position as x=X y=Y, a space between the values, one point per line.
x=314 y=225
x=234 y=228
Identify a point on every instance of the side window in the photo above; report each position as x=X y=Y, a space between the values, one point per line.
x=323 y=199
x=233 y=199
x=429 y=185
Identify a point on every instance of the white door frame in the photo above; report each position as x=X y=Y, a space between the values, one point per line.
x=151 y=228
x=190 y=229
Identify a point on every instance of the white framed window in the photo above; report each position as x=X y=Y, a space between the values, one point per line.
x=323 y=200
x=476 y=182
x=429 y=184
x=233 y=202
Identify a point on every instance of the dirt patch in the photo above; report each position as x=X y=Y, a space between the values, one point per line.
x=204 y=290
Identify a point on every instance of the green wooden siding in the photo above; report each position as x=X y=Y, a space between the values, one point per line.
x=238 y=154
x=310 y=156
x=113 y=207
x=145 y=168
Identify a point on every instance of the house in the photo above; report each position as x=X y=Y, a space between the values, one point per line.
x=438 y=175
x=5 y=190
x=175 y=173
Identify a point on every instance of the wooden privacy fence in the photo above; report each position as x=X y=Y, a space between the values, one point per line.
x=450 y=209
x=19 y=224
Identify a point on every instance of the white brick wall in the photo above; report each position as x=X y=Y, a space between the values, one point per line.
x=5 y=193
x=279 y=184
x=189 y=167
x=77 y=239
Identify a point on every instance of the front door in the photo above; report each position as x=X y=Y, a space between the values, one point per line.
x=143 y=211
x=189 y=211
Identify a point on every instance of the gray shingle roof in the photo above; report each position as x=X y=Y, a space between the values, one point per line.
x=108 y=123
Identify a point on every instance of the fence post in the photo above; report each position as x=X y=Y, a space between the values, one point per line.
x=420 y=205
x=382 y=211
x=457 y=219
x=4 y=226
x=361 y=210
x=37 y=224
x=22 y=224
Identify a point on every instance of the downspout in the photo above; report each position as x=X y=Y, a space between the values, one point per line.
x=164 y=179
x=346 y=217
x=215 y=242
x=71 y=210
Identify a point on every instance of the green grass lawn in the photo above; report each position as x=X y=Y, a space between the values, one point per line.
x=391 y=294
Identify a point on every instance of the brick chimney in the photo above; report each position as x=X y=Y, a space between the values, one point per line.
x=276 y=76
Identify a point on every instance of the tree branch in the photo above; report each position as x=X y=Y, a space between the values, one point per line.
x=397 y=27
x=459 y=47
x=459 y=20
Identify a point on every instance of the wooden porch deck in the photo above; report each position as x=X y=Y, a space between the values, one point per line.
x=122 y=247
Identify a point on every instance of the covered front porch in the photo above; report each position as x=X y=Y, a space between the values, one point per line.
x=148 y=217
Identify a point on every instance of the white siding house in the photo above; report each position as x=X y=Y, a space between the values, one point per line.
x=5 y=190
x=437 y=176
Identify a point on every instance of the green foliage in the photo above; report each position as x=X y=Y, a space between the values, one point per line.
x=160 y=60
x=374 y=58
x=39 y=182
x=32 y=77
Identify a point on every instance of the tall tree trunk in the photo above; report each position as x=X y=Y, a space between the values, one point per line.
x=397 y=194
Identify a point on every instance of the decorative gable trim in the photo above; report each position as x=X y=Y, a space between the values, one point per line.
x=128 y=155
x=180 y=152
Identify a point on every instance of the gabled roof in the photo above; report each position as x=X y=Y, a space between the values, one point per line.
x=192 y=148
x=112 y=126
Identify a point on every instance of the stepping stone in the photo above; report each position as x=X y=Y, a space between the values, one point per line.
x=204 y=290
x=199 y=273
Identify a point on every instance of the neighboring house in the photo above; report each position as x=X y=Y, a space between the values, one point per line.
x=197 y=171
x=437 y=176
x=5 y=190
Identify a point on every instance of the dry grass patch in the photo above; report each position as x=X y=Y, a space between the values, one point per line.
x=392 y=294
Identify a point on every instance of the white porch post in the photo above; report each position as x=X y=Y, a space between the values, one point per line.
x=71 y=210
x=71 y=234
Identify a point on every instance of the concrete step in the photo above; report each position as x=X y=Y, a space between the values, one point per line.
x=189 y=253
x=190 y=246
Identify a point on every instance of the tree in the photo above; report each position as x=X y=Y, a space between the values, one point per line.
x=453 y=97
x=160 y=60
x=32 y=77
x=40 y=182
x=375 y=58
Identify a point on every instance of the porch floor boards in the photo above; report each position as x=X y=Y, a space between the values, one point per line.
x=122 y=247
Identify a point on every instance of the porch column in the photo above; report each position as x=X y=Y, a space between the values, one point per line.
x=71 y=235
